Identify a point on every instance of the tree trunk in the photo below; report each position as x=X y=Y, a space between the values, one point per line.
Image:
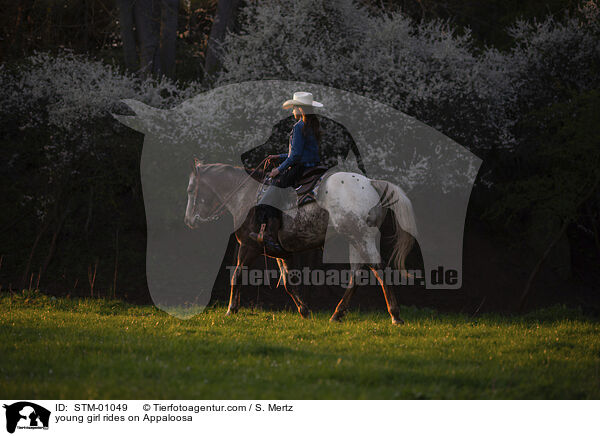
x=168 y=36
x=540 y=262
x=53 y=241
x=116 y=264
x=224 y=20
x=147 y=24
x=32 y=253
x=128 y=34
x=155 y=23
x=538 y=265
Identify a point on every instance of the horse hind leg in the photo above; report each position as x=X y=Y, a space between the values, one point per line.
x=390 y=298
x=344 y=304
x=303 y=309
x=369 y=247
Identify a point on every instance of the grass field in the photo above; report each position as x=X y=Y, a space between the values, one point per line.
x=83 y=349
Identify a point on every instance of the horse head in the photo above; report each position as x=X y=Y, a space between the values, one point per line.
x=202 y=204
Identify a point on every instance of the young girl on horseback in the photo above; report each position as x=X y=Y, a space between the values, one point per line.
x=303 y=153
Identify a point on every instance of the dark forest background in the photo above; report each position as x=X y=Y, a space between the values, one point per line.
x=72 y=220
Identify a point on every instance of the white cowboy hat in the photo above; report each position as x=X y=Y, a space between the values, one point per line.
x=302 y=99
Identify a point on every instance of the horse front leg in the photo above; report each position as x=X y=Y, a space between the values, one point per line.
x=245 y=256
x=302 y=308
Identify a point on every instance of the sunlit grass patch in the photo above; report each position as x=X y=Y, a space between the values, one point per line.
x=84 y=348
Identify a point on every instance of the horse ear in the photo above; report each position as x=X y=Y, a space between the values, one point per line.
x=196 y=164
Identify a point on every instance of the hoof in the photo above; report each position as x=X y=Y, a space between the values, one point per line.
x=336 y=318
x=397 y=321
x=230 y=312
x=304 y=312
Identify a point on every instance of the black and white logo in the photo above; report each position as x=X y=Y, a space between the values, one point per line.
x=26 y=415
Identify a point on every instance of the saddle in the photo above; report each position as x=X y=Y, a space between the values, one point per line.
x=306 y=186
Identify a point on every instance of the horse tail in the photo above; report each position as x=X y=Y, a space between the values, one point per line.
x=405 y=227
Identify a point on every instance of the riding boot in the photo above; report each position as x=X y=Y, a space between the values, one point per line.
x=261 y=215
x=270 y=240
x=267 y=236
x=272 y=229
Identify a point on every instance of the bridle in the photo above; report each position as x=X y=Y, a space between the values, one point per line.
x=218 y=211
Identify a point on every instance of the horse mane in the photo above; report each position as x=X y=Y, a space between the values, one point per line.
x=219 y=169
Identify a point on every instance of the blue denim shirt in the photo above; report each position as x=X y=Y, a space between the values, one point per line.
x=304 y=149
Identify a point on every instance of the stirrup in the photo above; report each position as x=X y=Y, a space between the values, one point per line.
x=261 y=234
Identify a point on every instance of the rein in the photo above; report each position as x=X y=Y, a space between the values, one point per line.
x=216 y=213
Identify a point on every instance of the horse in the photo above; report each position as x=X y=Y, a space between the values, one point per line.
x=354 y=205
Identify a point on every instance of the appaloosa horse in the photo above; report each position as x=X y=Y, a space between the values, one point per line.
x=355 y=206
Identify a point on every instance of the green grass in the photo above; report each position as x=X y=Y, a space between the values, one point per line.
x=81 y=349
